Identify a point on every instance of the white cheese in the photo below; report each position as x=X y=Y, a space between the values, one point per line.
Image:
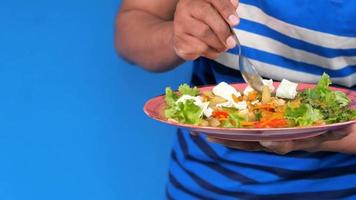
x=208 y=111
x=227 y=104
x=230 y=104
x=186 y=97
x=287 y=89
x=268 y=83
x=225 y=91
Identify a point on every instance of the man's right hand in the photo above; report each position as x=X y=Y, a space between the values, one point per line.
x=201 y=28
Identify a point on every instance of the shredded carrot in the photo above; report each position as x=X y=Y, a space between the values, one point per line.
x=264 y=106
x=245 y=123
x=252 y=95
x=220 y=114
x=274 y=123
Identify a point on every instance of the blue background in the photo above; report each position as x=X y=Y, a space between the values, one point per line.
x=71 y=120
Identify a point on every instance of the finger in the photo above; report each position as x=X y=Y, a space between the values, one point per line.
x=346 y=130
x=205 y=33
x=227 y=10
x=279 y=147
x=211 y=54
x=235 y=3
x=284 y=147
x=216 y=23
x=308 y=144
x=347 y=141
x=248 y=146
x=331 y=135
x=315 y=143
x=190 y=48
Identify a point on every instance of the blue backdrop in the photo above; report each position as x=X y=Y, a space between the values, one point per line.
x=71 y=120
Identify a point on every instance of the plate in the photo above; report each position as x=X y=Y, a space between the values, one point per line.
x=154 y=108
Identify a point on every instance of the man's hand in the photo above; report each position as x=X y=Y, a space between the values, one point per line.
x=341 y=140
x=201 y=27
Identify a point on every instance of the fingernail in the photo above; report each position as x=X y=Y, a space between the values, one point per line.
x=234 y=20
x=230 y=42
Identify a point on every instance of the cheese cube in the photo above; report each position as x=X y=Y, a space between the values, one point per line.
x=269 y=84
x=287 y=89
x=225 y=91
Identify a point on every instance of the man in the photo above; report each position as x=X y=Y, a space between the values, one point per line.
x=297 y=40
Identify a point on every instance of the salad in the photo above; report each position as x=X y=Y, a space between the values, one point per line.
x=280 y=107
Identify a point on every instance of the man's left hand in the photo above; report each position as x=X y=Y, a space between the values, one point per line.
x=342 y=140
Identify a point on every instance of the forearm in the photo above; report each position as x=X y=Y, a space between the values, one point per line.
x=146 y=40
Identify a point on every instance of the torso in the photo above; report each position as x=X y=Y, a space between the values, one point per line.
x=203 y=170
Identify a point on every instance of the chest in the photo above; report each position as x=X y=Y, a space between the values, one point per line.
x=329 y=16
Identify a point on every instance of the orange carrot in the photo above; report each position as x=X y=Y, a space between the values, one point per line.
x=252 y=95
x=220 y=114
x=245 y=123
x=274 y=123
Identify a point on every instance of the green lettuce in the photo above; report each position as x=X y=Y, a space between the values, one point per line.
x=170 y=96
x=304 y=115
x=341 y=98
x=185 y=89
x=258 y=115
x=183 y=112
x=233 y=121
x=333 y=105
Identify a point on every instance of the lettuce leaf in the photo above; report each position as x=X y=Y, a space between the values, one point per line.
x=304 y=115
x=333 y=105
x=324 y=81
x=233 y=121
x=170 y=97
x=341 y=98
x=183 y=112
x=185 y=89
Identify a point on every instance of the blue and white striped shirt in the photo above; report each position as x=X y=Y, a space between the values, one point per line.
x=297 y=40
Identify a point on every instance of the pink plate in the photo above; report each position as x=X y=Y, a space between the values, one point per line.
x=154 y=108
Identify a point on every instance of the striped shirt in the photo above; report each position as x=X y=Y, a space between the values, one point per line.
x=297 y=40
